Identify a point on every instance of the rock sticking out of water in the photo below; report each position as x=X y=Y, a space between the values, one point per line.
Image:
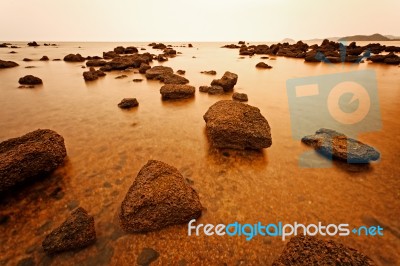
x=128 y=103
x=228 y=81
x=337 y=145
x=241 y=97
x=235 y=125
x=157 y=71
x=74 y=58
x=7 y=64
x=30 y=80
x=92 y=74
x=177 y=91
x=307 y=250
x=76 y=232
x=263 y=65
x=159 y=197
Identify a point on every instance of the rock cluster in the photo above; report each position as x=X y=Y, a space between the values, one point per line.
x=92 y=74
x=227 y=82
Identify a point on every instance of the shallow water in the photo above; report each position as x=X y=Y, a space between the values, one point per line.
x=107 y=146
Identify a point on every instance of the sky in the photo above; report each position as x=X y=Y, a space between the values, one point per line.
x=201 y=20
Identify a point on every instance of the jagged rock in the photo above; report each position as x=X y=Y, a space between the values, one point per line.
x=228 y=81
x=235 y=125
x=241 y=97
x=159 y=197
x=337 y=145
x=263 y=65
x=74 y=58
x=44 y=58
x=128 y=103
x=156 y=71
x=308 y=250
x=7 y=64
x=76 y=232
x=30 y=156
x=30 y=80
x=176 y=91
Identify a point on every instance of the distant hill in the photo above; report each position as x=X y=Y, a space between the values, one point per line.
x=393 y=37
x=369 y=38
x=288 y=40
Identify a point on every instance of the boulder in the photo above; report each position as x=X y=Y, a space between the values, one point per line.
x=74 y=58
x=124 y=62
x=241 y=97
x=30 y=156
x=143 y=68
x=170 y=78
x=34 y=44
x=128 y=103
x=235 y=125
x=7 y=64
x=156 y=71
x=159 y=197
x=215 y=89
x=309 y=250
x=228 y=81
x=337 y=145
x=204 y=88
x=76 y=232
x=161 y=58
x=30 y=80
x=159 y=46
x=263 y=65
x=44 y=58
x=131 y=50
x=119 y=50
x=176 y=91
x=92 y=74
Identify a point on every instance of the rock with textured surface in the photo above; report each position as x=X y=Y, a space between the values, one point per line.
x=177 y=91
x=228 y=81
x=128 y=103
x=235 y=125
x=159 y=197
x=215 y=89
x=156 y=71
x=170 y=78
x=337 y=145
x=76 y=232
x=7 y=64
x=143 y=68
x=30 y=156
x=96 y=63
x=308 y=250
x=92 y=74
x=30 y=80
x=241 y=97
x=74 y=58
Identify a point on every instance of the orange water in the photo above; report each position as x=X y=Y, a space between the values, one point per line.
x=107 y=147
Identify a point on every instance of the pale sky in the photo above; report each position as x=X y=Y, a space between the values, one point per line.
x=201 y=20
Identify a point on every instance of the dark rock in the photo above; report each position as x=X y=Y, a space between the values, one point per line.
x=3 y=45
x=137 y=80
x=159 y=197
x=44 y=58
x=181 y=72
x=110 y=55
x=147 y=256
x=228 y=81
x=204 y=88
x=26 y=262
x=13 y=52
x=7 y=64
x=308 y=250
x=119 y=50
x=131 y=50
x=159 y=46
x=177 y=91
x=215 y=89
x=235 y=125
x=210 y=72
x=96 y=63
x=30 y=80
x=92 y=74
x=93 y=57
x=34 y=44
x=27 y=157
x=157 y=71
x=130 y=61
x=14 y=47
x=27 y=60
x=74 y=58
x=76 y=232
x=264 y=57
x=262 y=49
x=143 y=68
x=241 y=97
x=121 y=77
x=128 y=103
x=339 y=146
x=30 y=67
x=241 y=42
x=231 y=46
x=169 y=51
x=170 y=78
x=57 y=59
x=161 y=58
x=263 y=65
x=190 y=45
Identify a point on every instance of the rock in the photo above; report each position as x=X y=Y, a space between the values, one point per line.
x=131 y=50
x=3 y=45
x=137 y=80
x=34 y=44
x=27 y=60
x=211 y=72
x=159 y=46
x=13 y=52
x=159 y=197
x=181 y=72
x=44 y=58
x=121 y=77
x=177 y=91
x=30 y=80
x=241 y=42
x=264 y=57
x=143 y=68
x=110 y=55
x=241 y=97
x=26 y=262
x=14 y=47
x=96 y=63
x=337 y=145
x=231 y=46
x=7 y=64
x=228 y=81
x=309 y=250
x=235 y=125
x=30 y=156
x=129 y=61
x=190 y=45
x=169 y=52
x=128 y=103
x=170 y=78
x=74 y=58
x=263 y=65
x=57 y=59
x=215 y=89
x=204 y=88
x=92 y=74
x=119 y=50
x=76 y=232
x=161 y=58
x=147 y=256
x=157 y=71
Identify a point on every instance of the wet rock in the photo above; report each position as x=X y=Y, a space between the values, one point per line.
x=96 y=63
x=169 y=52
x=147 y=256
x=161 y=58
x=30 y=67
x=131 y=50
x=30 y=80
x=210 y=72
x=228 y=81
x=241 y=97
x=137 y=80
x=34 y=44
x=235 y=125
x=92 y=74
x=27 y=157
x=3 y=45
x=308 y=250
x=190 y=45
x=170 y=78
x=128 y=103
x=176 y=91
x=110 y=55
x=44 y=58
x=265 y=49
x=143 y=68
x=74 y=58
x=121 y=77
x=263 y=65
x=7 y=64
x=337 y=145
x=159 y=46
x=204 y=88
x=76 y=232
x=27 y=60
x=181 y=72
x=159 y=197
x=215 y=89
x=119 y=50
x=13 y=52
x=157 y=71
x=231 y=46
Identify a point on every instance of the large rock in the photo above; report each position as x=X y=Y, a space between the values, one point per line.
x=177 y=91
x=156 y=71
x=235 y=125
x=337 y=145
x=76 y=232
x=308 y=250
x=159 y=197
x=74 y=58
x=7 y=64
x=228 y=81
x=30 y=80
x=27 y=157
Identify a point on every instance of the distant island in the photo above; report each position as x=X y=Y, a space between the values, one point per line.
x=374 y=37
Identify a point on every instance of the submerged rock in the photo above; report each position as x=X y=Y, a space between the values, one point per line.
x=235 y=125
x=263 y=65
x=309 y=250
x=7 y=64
x=128 y=103
x=74 y=58
x=30 y=80
x=228 y=81
x=337 y=145
x=76 y=232
x=159 y=197
x=27 y=157
x=177 y=91
x=241 y=97
x=156 y=71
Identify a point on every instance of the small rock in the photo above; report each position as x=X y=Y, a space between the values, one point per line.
x=128 y=103
x=74 y=58
x=241 y=97
x=7 y=64
x=44 y=58
x=137 y=80
x=30 y=80
x=147 y=256
x=228 y=81
x=13 y=52
x=121 y=77
x=26 y=87
x=190 y=45
x=33 y=44
x=27 y=60
x=263 y=65
x=177 y=91
x=210 y=72
x=213 y=90
x=181 y=72
x=204 y=88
